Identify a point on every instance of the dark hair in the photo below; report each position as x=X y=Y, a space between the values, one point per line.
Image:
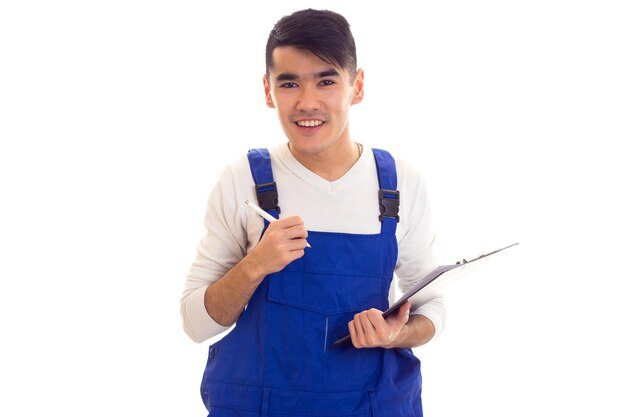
x=322 y=32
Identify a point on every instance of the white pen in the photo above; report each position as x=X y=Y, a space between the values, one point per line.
x=264 y=214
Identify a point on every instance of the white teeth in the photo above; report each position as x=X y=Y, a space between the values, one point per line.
x=309 y=123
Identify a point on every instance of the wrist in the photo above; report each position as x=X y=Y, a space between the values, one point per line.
x=251 y=270
x=400 y=338
x=417 y=331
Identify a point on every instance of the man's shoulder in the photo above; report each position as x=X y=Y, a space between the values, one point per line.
x=411 y=177
x=239 y=167
x=406 y=167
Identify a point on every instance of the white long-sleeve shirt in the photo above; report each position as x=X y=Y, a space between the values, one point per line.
x=346 y=205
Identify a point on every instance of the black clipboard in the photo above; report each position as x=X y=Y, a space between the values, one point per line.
x=431 y=285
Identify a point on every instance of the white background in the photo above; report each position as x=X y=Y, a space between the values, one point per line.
x=117 y=116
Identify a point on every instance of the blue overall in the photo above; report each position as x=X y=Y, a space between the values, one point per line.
x=279 y=359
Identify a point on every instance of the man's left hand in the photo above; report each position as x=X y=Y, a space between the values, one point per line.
x=369 y=329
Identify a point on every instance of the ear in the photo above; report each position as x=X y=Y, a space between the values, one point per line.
x=358 y=86
x=268 y=93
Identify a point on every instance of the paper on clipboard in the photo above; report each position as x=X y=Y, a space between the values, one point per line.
x=432 y=284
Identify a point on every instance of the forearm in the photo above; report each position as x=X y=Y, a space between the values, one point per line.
x=225 y=299
x=417 y=331
x=283 y=242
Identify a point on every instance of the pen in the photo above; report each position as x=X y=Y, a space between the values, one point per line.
x=264 y=214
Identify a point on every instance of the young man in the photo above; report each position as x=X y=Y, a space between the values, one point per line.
x=290 y=302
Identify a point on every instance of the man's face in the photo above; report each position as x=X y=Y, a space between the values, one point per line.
x=312 y=98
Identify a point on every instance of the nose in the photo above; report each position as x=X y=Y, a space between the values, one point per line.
x=308 y=99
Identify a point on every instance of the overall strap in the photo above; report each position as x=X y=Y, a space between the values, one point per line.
x=266 y=191
x=388 y=194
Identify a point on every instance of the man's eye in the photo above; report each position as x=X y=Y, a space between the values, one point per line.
x=326 y=83
x=289 y=85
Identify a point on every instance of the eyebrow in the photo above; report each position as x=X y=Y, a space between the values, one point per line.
x=289 y=76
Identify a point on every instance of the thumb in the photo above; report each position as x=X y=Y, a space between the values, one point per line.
x=402 y=315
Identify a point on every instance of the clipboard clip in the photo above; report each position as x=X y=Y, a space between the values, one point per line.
x=485 y=254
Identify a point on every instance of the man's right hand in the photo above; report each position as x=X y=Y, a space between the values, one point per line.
x=282 y=243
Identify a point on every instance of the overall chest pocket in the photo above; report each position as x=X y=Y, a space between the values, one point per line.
x=341 y=273
x=327 y=294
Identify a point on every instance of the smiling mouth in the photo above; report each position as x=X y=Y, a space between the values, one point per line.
x=309 y=123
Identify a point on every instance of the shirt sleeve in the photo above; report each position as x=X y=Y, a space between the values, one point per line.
x=222 y=247
x=416 y=241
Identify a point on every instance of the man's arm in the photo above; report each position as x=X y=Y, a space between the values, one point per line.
x=370 y=329
x=283 y=242
x=225 y=256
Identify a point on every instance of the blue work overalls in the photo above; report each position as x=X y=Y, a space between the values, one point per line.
x=279 y=360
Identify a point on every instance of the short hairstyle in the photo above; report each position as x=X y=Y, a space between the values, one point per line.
x=324 y=33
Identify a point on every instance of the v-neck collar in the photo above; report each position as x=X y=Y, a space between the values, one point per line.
x=292 y=164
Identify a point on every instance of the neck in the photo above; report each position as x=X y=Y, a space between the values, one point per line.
x=330 y=164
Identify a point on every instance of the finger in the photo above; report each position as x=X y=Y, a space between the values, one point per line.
x=281 y=236
x=295 y=244
x=380 y=325
x=405 y=308
x=369 y=331
x=297 y=232
x=353 y=334
x=368 y=336
x=297 y=253
x=288 y=222
x=359 y=329
x=385 y=329
x=400 y=317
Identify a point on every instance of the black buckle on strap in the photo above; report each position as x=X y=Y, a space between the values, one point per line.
x=389 y=202
x=267 y=196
